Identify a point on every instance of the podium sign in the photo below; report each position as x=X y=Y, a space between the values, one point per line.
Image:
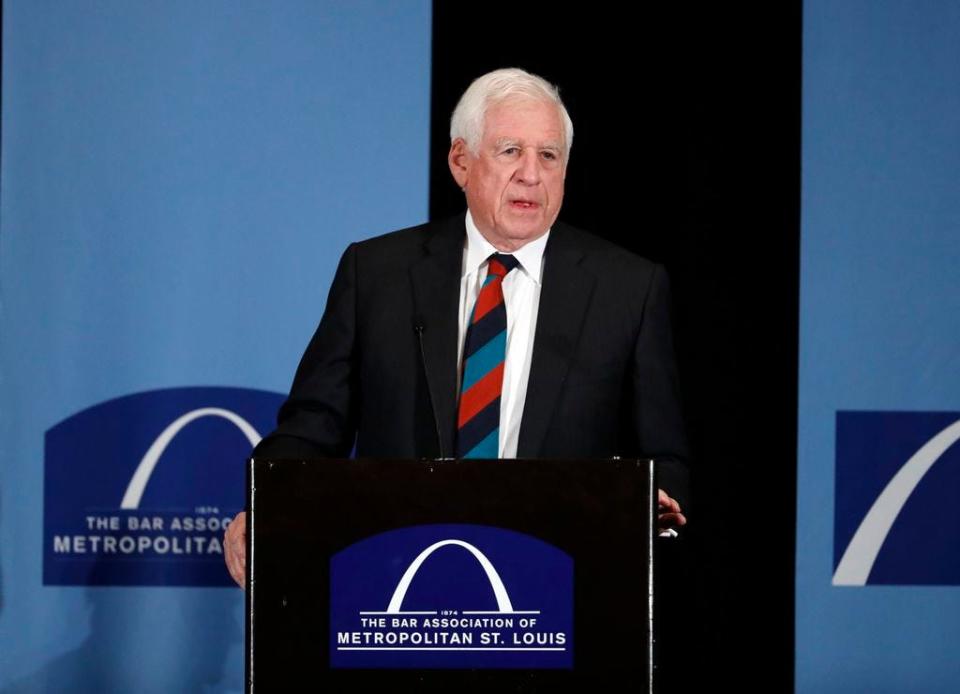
x=419 y=576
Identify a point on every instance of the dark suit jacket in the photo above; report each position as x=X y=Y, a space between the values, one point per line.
x=381 y=371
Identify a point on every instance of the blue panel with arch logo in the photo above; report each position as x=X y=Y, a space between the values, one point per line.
x=451 y=596
x=138 y=490
x=897 y=520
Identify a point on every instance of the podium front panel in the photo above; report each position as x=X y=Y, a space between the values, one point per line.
x=423 y=576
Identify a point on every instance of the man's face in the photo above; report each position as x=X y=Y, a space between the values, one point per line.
x=514 y=185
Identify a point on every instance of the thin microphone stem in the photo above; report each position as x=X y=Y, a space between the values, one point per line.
x=423 y=357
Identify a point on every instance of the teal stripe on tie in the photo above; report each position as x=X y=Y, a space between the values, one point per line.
x=488 y=448
x=484 y=360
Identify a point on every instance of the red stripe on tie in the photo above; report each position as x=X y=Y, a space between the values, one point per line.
x=480 y=394
x=495 y=267
x=489 y=298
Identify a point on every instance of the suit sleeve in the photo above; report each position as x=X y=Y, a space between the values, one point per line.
x=319 y=418
x=657 y=409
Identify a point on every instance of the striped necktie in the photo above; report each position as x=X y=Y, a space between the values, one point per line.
x=484 y=351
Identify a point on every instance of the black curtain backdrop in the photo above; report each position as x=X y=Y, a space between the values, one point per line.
x=686 y=151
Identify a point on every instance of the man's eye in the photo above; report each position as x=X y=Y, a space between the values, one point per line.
x=511 y=150
x=549 y=156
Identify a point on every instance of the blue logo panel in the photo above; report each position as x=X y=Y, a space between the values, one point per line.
x=897 y=520
x=451 y=596
x=138 y=490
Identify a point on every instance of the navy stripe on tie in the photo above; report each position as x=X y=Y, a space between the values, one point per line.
x=485 y=329
x=474 y=431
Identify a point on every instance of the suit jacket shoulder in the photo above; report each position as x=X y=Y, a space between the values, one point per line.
x=397 y=249
x=602 y=257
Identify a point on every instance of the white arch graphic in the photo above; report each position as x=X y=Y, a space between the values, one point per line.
x=499 y=590
x=861 y=553
x=138 y=483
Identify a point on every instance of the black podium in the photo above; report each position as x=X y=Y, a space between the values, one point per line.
x=466 y=575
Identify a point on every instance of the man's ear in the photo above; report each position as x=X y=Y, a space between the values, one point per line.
x=459 y=160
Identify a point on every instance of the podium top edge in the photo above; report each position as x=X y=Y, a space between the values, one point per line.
x=448 y=461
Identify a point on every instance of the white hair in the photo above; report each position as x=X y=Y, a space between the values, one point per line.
x=496 y=87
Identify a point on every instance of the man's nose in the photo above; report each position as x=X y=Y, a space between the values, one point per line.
x=528 y=170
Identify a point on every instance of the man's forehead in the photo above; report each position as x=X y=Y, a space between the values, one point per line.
x=516 y=120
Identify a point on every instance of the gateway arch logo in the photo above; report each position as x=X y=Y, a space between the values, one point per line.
x=451 y=596
x=139 y=489
x=504 y=606
x=896 y=516
x=135 y=489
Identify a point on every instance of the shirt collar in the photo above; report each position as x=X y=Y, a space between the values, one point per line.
x=478 y=249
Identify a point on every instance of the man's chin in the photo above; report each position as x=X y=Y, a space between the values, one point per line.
x=519 y=236
x=525 y=227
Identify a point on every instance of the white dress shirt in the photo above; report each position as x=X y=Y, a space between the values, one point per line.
x=521 y=294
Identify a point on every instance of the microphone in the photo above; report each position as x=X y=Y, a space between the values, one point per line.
x=418 y=328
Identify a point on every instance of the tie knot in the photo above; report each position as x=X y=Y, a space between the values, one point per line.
x=500 y=264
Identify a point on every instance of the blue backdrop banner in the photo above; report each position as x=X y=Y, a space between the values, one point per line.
x=878 y=579
x=178 y=182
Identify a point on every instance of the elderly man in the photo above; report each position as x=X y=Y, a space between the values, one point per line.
x=500 y=333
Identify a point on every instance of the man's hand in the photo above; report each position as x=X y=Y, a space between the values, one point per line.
x=668 y=512
x=235 y=548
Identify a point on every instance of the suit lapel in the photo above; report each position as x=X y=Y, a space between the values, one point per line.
x=564 y=298
x=436 y=288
